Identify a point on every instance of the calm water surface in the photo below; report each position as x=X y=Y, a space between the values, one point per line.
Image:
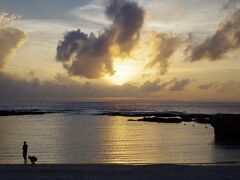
x=77 y=136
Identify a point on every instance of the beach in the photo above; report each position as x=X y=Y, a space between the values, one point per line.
x=115 y=171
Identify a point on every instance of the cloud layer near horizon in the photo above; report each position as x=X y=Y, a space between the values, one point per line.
x=230 y=86
x=64 y=88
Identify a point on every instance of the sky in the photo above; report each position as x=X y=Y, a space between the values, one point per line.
x=97 y=50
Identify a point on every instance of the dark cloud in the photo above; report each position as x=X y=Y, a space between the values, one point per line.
x=128 y=19
x=206 y=86
x=64 y=88
x=156 y=86
x=179 y=85
x=10 y=38
x=86 y=55
x=12 y=88
x=91 y=56
x=225 y=39
x=153 y=86
x=165 y=45
x=230 y=86
x=62 y=79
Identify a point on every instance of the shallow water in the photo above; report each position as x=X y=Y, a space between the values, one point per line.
x=80 y=137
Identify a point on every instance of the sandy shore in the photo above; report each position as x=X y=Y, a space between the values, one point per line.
x=126 y=172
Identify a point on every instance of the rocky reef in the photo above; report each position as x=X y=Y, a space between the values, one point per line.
x=226 y=126
x=23 y=112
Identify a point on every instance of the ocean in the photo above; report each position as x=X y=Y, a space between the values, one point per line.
x=75 y=133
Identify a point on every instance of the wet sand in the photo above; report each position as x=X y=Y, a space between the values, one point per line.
x=126 y=172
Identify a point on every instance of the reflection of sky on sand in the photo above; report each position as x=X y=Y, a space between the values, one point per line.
x=69 y=138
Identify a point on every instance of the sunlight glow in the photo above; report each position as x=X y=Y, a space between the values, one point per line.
x=125 y=70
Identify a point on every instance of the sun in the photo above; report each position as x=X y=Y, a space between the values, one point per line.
x=125 y=70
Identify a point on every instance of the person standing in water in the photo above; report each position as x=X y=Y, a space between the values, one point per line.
x=25 y=149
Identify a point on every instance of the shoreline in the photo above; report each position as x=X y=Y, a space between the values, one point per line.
x=121 y=171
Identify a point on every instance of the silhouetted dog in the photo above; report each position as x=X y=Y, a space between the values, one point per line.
x=33 y=159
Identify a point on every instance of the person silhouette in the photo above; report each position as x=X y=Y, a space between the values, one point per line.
x=25 y=149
